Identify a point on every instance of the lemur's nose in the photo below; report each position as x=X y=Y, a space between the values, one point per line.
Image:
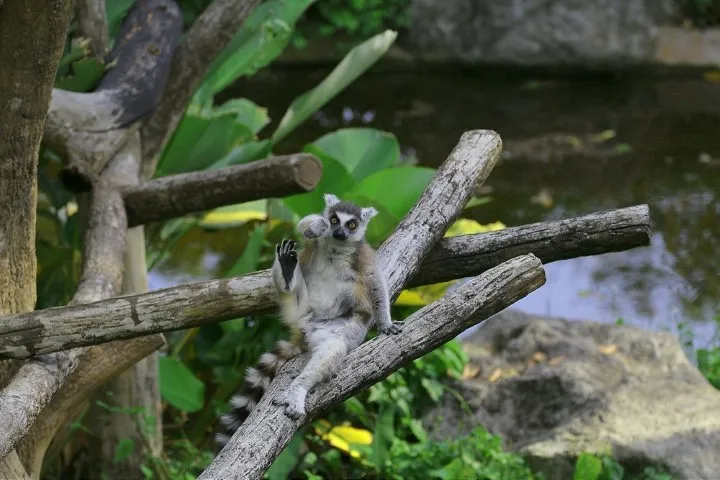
x=339 y=235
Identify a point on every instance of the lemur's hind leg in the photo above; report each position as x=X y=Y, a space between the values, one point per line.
x=330 y=342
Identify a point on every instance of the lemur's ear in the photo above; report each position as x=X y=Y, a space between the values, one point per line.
x=331 y=199
x=368 y=213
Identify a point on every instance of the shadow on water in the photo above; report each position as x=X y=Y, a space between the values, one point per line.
x=570 y=148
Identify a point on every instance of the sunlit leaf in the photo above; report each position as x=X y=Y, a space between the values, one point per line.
x=179 y=386
x=335 y=179
x=357 y=61
x=363 y=151
x=465 y=226
x=233 y=215
x=395 y=188
x=587 y=467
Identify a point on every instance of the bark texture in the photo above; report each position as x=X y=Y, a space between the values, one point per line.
x=92 y=24
x=208 y=36
x=30 y=49
x=451 y=258
x=177 y=195
x=268 y=430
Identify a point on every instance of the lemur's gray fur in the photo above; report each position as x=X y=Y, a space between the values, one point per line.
x=330 y=295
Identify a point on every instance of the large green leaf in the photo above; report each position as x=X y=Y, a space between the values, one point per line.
x=204 y=137
x=286 y=461
x=383 y=436
x=363 y=151
x=397 y=189
x=179 y=386
x=263 y=36
x=335 y=179
x=587 y=467
x=245 y=153
x=357 y=61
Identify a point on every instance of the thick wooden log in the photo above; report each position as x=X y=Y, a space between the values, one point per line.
x=172 y=308
x=177 y=195
x=268 y=430
x=89 y=128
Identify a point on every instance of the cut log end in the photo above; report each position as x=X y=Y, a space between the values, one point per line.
x=308 y=172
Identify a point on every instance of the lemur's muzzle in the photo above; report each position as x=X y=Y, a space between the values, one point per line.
x=339 y=234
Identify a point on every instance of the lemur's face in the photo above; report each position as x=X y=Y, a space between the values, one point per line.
x=348 y=222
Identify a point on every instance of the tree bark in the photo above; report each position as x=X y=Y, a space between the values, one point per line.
x=30 y=50
x=207 y=38
x=172 y=308
x=267 y=430
x=92 y=24
x=177 y=195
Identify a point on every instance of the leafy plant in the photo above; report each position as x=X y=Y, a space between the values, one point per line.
x=356 y=18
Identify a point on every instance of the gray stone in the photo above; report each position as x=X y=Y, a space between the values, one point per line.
x=539 y=32
x=553 y=388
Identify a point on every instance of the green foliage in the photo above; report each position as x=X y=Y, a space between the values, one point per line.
x=179 y=386
x=592 y=467
x=588 y=467
x=702 y=13
x=356 y=18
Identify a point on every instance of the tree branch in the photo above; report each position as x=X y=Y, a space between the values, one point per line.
x=89 y=128
x=173 y=308
x=176 y=195
x=92 y=24
x=268 y=430
x=207 y=38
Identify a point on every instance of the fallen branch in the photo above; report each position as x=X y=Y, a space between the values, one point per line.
x=176 y=195
x=268 y=430
x=173 y=308
x=208 y=36
x=89 y=128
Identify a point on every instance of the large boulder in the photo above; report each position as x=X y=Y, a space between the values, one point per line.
x=553 y=388
x=539 y=32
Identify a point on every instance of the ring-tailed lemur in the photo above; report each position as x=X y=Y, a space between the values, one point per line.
x=330 y=295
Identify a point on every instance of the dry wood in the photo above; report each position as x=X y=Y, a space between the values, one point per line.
x=454 y=257
x=92 y=24
x=90 y=128
x=400 y=256
x=593 y=234
x=177 y=195
x=207 y=38
x=268 y=430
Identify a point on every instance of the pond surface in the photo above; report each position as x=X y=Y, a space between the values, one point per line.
x=571 y=148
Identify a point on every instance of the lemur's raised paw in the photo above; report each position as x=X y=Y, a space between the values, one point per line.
x=316 y=229
x=392 y=329
x=294 y=401
x=288 y=259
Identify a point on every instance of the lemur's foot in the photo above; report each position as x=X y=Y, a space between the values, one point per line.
x=392 y=329
x=294 y=401
x=288 y=259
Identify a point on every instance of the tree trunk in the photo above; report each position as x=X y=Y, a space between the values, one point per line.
x=30 y=49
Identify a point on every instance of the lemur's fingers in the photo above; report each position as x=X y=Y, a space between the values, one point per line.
x=277 y=249
x=291 y=245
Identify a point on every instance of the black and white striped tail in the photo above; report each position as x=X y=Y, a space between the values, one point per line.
x=257 y=381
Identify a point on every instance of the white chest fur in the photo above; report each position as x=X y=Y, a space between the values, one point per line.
x=330 y=278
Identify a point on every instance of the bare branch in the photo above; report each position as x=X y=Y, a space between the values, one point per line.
x=177 y=195
x=468 y=166
x=92 y=24
x=207 y=38
x=594 y=234
x=268 y=430
x=171 y=309
x=89 y=128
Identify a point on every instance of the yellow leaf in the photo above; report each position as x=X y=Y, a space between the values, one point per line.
x=556 y=360
x=603 y=136
x=342 y=436
x=465 y=226
x=495 y=375
x=712 y=76
x=219 y=217
x=421 y=296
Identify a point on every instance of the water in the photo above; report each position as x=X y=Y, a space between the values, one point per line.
x=572 y=147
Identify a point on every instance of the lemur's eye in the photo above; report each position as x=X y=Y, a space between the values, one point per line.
x=333 y=220
x=351 y=225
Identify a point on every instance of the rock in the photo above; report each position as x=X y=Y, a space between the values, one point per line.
x=553 y=388
x=539 y=32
